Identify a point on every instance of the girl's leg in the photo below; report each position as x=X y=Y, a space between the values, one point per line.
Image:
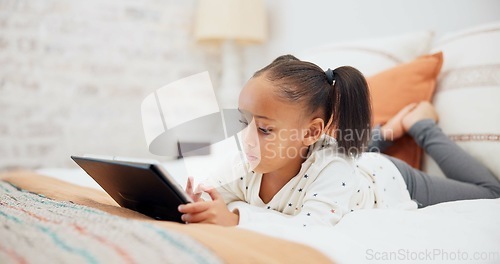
x=466 y=177
x=382 y=136
x=378 y=143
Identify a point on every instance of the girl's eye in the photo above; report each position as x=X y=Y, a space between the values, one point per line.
x=261 y=129
x=265 y=131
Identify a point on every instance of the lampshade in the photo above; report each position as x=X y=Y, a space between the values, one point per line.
x=243 y=21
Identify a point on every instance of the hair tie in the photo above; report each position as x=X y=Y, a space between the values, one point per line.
x=330 y=76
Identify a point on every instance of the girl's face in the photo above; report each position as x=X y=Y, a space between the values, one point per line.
x=275 y=130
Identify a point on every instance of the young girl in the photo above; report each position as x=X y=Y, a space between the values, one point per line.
x=302 y=175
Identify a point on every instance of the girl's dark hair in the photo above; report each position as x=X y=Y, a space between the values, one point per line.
x=346 y=103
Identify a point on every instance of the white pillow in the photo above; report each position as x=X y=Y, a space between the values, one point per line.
x=370 y=56
x=467 y=97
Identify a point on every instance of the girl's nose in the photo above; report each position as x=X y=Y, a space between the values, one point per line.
x=250 y=135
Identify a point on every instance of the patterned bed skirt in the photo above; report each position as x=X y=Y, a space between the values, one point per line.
x=36 y=229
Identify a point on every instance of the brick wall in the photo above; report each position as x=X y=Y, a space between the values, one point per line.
x=73 y=74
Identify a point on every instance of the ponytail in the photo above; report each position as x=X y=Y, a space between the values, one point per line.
x=351 y=110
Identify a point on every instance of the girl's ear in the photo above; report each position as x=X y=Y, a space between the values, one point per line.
x=314 y=131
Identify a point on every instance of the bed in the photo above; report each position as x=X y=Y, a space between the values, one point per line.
x=62 y=216
x=46 y=219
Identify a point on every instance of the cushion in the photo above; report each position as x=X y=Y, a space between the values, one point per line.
x=468 y=93
x=370 y=56
x=395 y=88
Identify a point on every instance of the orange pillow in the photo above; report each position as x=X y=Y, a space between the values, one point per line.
x=393 y=89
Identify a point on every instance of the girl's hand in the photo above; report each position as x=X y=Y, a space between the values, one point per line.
x=211 y=212
x=196 y=196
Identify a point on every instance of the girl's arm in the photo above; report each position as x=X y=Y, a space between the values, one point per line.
x=335 y=192
x=211 y=212
x=218 y=190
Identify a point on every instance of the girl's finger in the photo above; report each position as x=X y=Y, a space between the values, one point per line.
x=195 y=218
x=214 y=194
x=196 y=196
x=192 y=208
x=200 y=188
x=189 y=186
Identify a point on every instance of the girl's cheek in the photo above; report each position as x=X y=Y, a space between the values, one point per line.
x=268 y=140
x=268 y=151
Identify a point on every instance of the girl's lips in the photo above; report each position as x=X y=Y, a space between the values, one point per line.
x=251 y=157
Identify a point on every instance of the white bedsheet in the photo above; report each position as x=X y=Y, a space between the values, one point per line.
x=453 y=232
x=75 y=176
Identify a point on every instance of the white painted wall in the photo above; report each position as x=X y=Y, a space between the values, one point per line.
x=297 y=24
x=73 y=73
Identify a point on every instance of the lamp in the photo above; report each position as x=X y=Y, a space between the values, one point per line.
x=231 y=23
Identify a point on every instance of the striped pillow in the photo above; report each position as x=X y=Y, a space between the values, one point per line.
x=467 y=97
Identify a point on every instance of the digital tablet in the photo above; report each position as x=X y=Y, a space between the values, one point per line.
x=143 y=187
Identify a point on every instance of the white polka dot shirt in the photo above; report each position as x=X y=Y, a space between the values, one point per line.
x=328 y=186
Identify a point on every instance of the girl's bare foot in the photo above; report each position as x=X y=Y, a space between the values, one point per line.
x=394 y=129
x=424 y=110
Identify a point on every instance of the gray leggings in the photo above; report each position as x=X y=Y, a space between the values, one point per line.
x=466 y=177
